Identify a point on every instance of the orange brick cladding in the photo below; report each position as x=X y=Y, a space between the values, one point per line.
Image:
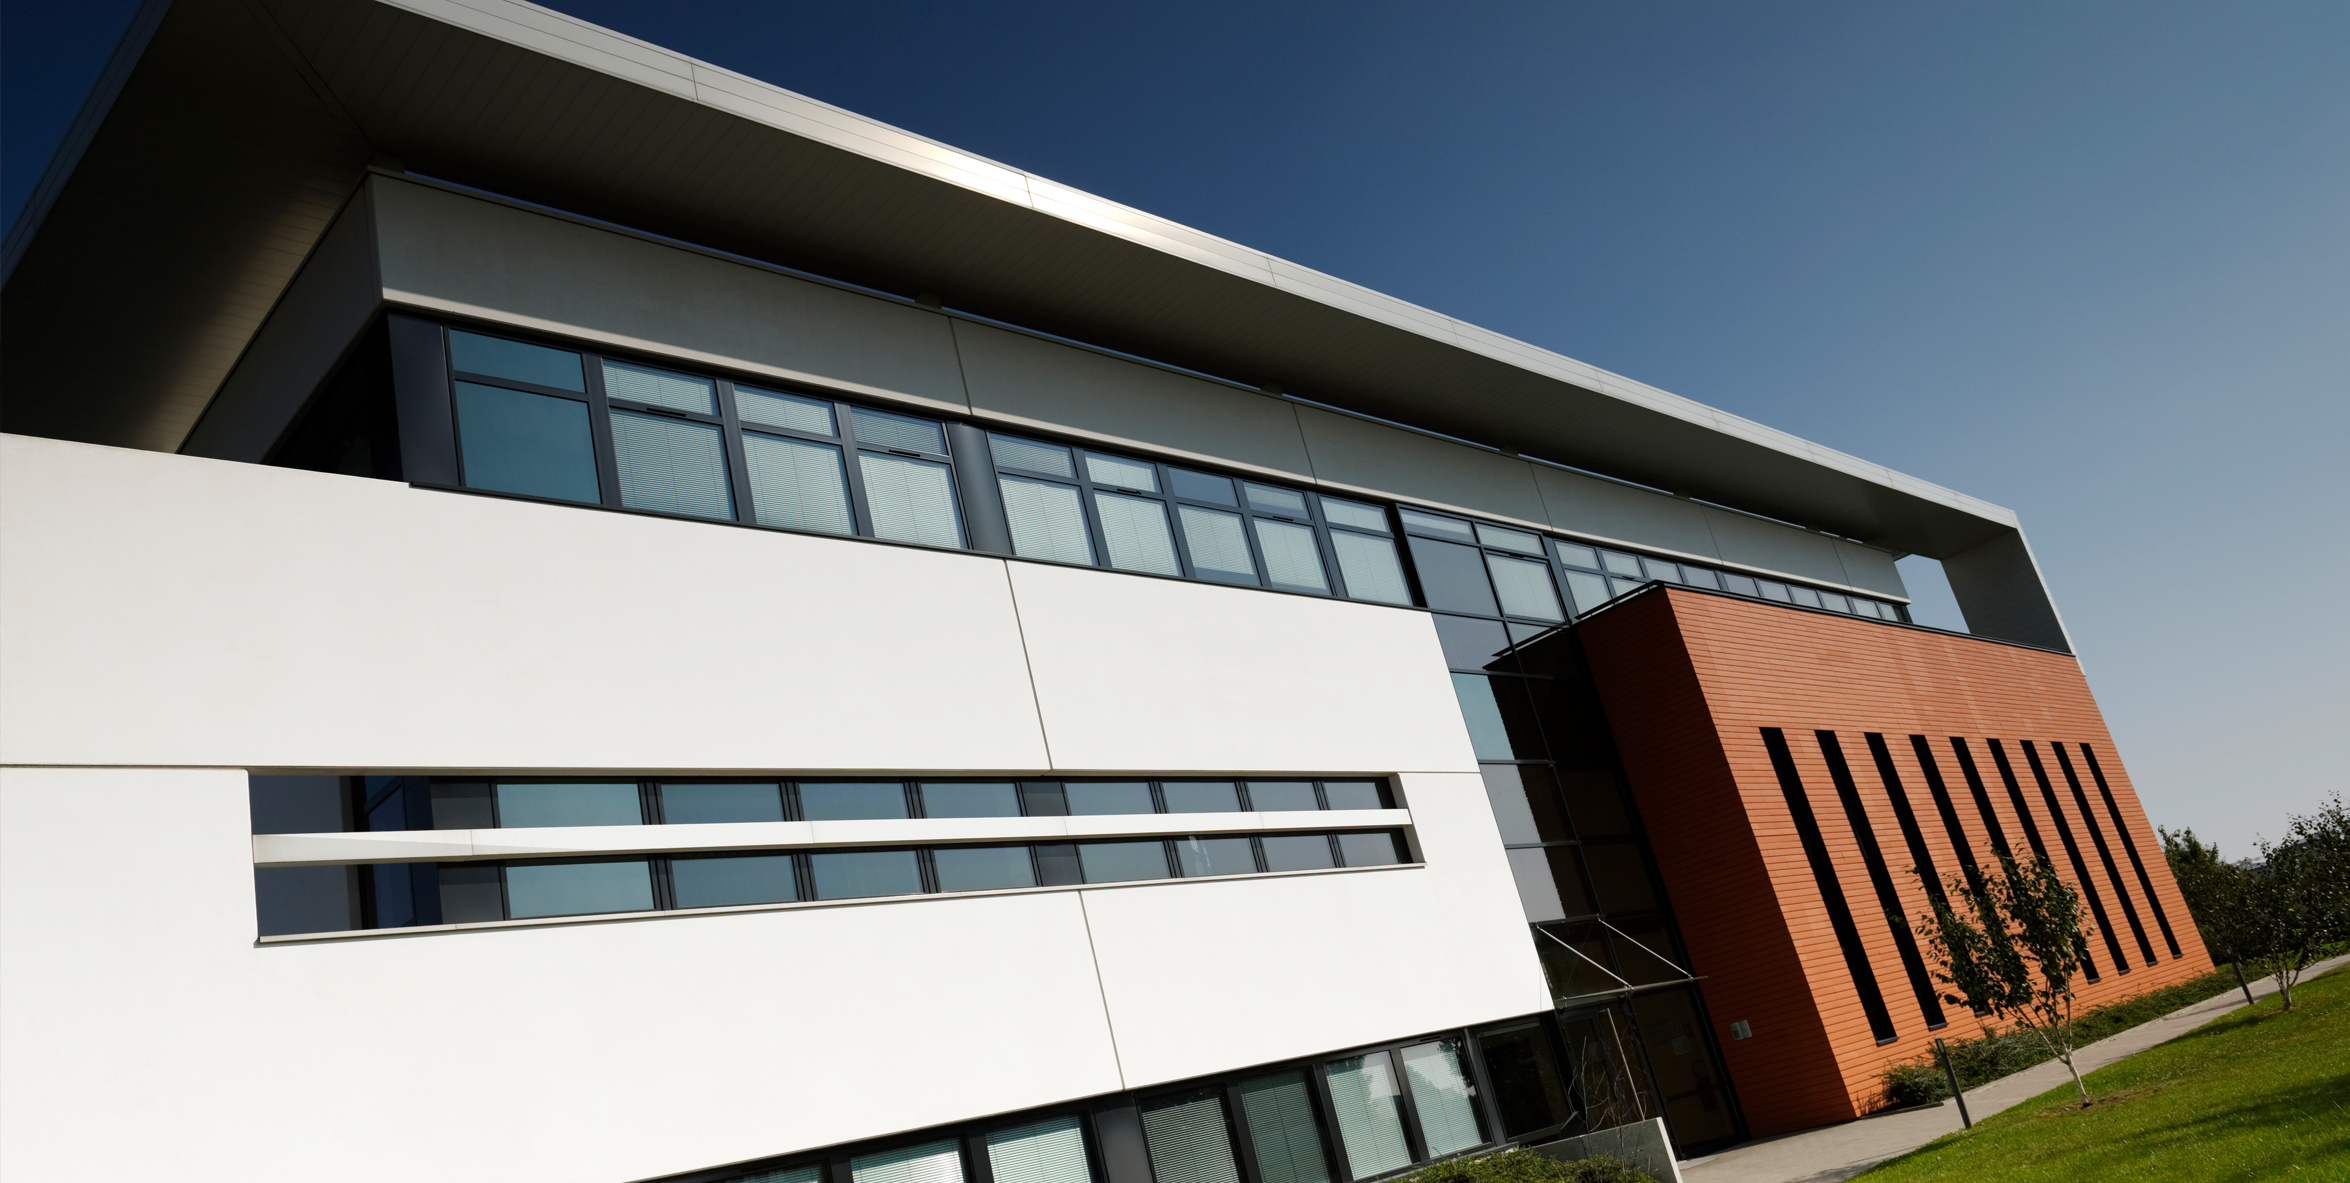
x=1689 y=682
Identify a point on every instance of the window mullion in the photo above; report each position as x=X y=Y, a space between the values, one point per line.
x=600 y=425
x=738 y=466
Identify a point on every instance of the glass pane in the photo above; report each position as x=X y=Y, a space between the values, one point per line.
x=1123 y=474
x=1695 y=1100
x=1589 y=591
x=911 y=500
x=1374 y=849
x=1525 y=588
x=1834 y=603
x=1282 y=1129
x=660 y=387
x=297 y=804
x=1050 y=459
x=1297 y=852
x=742 y=879
x=1291 y=557
x=1056 y=864
x=931 y=1162
x=1658 y=569
x=1700 y=577
x=983 y=868
x=671 y=465
x=1868 y=608
x=852 y=874
x=1047 y=520
x=1578 y=556
x=1453 y=577
x=1371 y=569
x=1354 y=515
x=1500 y=718
x=1441 y=1097
x=1804 y=596
x=1525 y=804
x=1219 y=550
x=1048 y=1151
x=1215 y=856
x=1775 y=591
x=573 y=889
x=289 y=900
x=1187 y=1139
x=1200 y=796
x=969 y=800
x=1353 y=794
x=1620 y=876
x=1742 y=584
x=1043 y=799
x=1369 y=1108
x=526 y=443
x=897 y=431
x=1134 y=531
x=1119 y=862
x=1268 y=499
x=1528 y=1087
x=468 y=893
x=798 y=484
x=1595 y=802
x=1428 y=523
x=1619 y=563
x=1517 y=540
x=790 y=411
x=1281 y=796
x=501 y=358
x=1624 y=587
x=806 y=1174
x=1550 y=887
x=530 y=805
x=1105 y=797
x=839 y=801
x=1645 y=952
x=703 y=804
x=1201 y=486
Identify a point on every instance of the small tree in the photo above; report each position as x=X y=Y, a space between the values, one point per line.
x=2297 y=899
x=2019 y=956
x=2218 y=894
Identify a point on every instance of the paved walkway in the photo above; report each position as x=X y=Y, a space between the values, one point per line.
x=1838 y=1152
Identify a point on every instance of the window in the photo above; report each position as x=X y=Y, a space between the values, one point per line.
x=1108 y=797
x=533 y=804
x=571 y=889
x=1297 y=852
x=1369 y=1108
x=1450 y=1118
x=1276 y=796
x=1279 y=1110
x=668 y=441
x=929 y=1162
x=851 y=800
x=1216 y=856
x=983 y=868
x=691 y=804
x=1048 y=1151
x=1363 y=542
x=854 y=874
x=952 y=799
x=1187 y=1139
x=1120 y=862
x=1201 y=796
x=734 y=879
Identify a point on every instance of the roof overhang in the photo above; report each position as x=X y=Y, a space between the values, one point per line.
x=226 y=133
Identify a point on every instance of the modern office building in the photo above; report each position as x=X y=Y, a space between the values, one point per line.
x=569 y=614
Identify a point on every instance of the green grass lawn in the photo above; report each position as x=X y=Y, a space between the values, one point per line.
x=2256 y=1095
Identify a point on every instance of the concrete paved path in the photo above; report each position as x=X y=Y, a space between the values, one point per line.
x=1834 y=1153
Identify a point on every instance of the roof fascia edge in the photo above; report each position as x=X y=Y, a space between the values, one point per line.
x=593 y=47
x=86 y=122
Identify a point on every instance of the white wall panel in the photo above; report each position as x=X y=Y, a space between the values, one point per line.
x=1063 y=388
x=483 y=258
x=164 y=1036
x=161 y=609
x=1161 y=673
x=1318 y=963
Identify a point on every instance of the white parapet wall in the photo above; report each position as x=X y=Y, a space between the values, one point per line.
x=167 y=623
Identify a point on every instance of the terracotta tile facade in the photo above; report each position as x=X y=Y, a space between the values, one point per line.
x=1691 y=680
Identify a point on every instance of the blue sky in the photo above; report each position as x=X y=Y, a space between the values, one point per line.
x=2090 y=261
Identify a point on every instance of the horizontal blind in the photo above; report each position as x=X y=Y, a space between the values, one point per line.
x=807 y=1174
x=1047 y=520
x=1291 y=557
x=1590 y=591
x=1124 y=474
x=1049 y=459
x=1354 y=515
x=1370 y=567
x=1217 y=545
x=911 y=500
x=1525 y=587
x=660 y=387
x=930 y=1162
x=671 y=466
x=798 y=484
x=789 y=411
x=1367 y=1104
x=1187 y=1140
x=1273 y=500
x=1048 y=1151
x=1282 y=1129
x=898 y=431
x=1135 y=532
x=1440 y=1093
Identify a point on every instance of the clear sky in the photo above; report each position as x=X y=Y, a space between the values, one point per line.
x=2090 y=261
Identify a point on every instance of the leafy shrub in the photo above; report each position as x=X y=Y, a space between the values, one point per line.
x=2001 y=1053
x=1527 y=1166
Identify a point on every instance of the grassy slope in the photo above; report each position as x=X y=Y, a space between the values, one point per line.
x=2256 y=1095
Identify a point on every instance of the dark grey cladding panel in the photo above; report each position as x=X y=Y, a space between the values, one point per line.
x=2000 y=591
x=1607 y=509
